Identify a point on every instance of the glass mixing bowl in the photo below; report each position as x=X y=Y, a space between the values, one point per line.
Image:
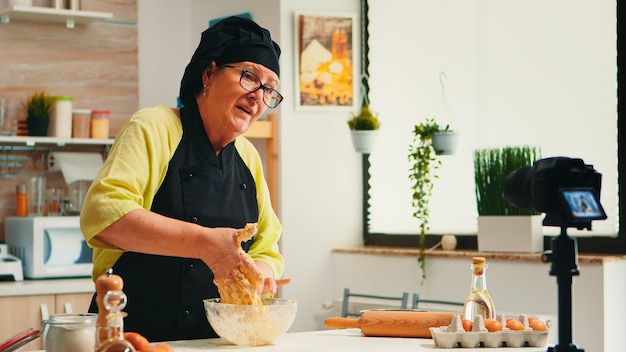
x=251 y=325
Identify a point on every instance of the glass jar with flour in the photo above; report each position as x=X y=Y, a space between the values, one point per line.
x=70 y=332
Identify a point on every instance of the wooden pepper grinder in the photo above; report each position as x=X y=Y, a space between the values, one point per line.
x=105 y=283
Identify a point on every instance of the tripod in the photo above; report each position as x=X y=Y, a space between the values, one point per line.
x=563 y=258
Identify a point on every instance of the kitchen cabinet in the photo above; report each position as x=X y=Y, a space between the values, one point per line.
x=72 y=303
x=21 y=303
x=47 y=14
x=18 y=313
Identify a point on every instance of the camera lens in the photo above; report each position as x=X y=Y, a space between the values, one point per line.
x=517 y=188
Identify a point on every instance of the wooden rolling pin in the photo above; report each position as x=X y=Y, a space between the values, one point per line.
x=392 y=323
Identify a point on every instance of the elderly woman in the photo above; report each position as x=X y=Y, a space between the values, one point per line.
x=165 y=209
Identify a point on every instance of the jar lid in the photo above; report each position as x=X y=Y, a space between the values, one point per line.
x=101 y=112
x=73 y=318
x=81 y=111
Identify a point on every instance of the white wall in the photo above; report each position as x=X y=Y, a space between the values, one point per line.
x=320 y=182
x=165 y=47
x=320 y=174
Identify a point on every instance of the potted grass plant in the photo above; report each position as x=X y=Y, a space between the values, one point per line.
x=364 y=128
x=503 y=227
x=38 y=107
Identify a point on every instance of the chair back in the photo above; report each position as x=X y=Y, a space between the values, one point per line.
x=400 y=301
x=417 y=300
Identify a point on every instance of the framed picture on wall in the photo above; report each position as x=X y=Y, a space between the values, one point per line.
x=325 y=67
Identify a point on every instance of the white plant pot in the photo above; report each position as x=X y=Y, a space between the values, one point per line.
x=364 y=141
x=510 y=233
x=445 y=142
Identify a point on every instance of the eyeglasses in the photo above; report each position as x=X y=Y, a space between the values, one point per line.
x=251 y=82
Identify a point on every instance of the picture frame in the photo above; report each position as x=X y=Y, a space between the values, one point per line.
x=326 y=72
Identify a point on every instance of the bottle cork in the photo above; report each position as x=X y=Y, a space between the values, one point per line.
x=479 y=264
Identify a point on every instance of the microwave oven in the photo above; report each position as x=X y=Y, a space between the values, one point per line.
x=49 y=246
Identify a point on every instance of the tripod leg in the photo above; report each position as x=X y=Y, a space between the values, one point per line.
x=564 y=266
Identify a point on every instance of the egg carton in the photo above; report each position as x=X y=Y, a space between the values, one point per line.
x=454 y=335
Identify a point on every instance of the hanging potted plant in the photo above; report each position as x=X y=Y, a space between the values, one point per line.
x=424 y=162
x=38 y=107
x=445 y=140
x=503 y=227
x=363 y=129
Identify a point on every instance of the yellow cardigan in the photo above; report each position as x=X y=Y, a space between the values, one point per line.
x=133 y=172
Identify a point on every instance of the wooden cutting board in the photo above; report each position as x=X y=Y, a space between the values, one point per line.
x=393 y=323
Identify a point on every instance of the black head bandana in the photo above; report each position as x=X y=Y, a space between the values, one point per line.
x=231 y=40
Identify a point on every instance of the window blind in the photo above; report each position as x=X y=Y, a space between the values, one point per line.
x=501 y=73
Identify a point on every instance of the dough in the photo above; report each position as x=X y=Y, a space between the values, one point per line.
x=241 y=284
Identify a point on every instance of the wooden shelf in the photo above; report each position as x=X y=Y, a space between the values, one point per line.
x=47 y=14
x=51 y=142
x=261 y=129
x=268 y=131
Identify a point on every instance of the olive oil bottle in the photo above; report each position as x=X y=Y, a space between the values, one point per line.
x=478 y=301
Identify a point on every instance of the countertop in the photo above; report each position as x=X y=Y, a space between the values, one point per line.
x=342 y=340
x=46 y=287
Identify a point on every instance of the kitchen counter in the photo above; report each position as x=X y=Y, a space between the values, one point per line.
x=332 y=340
x=46 y=287
x=341 y=340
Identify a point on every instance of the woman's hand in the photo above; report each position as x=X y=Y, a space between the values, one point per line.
x=224 y=254
x=270 y=286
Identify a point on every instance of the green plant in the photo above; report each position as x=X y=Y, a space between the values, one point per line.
x=428 y=128
x=491 y=168
x=424 y=164
x=366 y=120
x=38 y=106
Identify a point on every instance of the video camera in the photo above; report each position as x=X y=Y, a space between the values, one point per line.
x=565 y=189
x=568 y=192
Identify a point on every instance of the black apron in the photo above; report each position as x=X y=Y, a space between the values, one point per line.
x=165 y=294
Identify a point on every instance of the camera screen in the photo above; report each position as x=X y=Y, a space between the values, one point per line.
x=583 y=204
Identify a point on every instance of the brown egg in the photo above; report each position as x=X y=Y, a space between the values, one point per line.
x=515 y=325
x=493 y=325
x=467 y=325
x=538 y=325
x=137 y=340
